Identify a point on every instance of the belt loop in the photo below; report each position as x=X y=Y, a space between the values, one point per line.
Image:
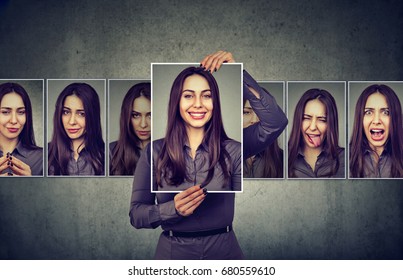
x=227 y=228
x=171 y=233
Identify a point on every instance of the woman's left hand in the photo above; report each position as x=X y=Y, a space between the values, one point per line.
x=214 y=61
x=19 y=167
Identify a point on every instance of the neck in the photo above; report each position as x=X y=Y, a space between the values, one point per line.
x=7 y=145
x=77 y=147
x=308 y=151
x=195 y=137
x=144 y=143
x=378 y=150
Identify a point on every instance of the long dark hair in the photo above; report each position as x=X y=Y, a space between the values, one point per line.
x=127 y=150
x=60 y=147
x=26 y=137
x=331 y=139
x=359 y=142
x=272 y=158
x=171 y=161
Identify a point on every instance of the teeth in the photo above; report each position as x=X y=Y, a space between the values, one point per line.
x=197 y=114
x=376 y=130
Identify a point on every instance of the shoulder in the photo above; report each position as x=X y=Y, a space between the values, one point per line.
x=34 y=152
x=232 y=147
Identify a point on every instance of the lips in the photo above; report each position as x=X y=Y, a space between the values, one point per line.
x=314 y=139
x=13 y=130
x=73 y=130
x=143 y=133
x=377 y=134
x=197 y=115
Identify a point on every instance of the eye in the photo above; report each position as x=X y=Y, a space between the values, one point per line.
x=207 y=96
x=5 y=112
x=21 y=112
x=386 y=112
x=81 y=114
x=187 y=96
x=368 y=112
x=135 y=115
x=149 y=115
x=323 y=120
x=65 y=112
x=247 y=112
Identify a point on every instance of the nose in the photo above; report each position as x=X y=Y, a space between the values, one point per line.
x=143 y=122
x=72 y=119
x=376 y=118
x=13 y=119
x=254 y=118
x=197 y=102
x=313 y=124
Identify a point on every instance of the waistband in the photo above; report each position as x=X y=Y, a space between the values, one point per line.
x=197 y=233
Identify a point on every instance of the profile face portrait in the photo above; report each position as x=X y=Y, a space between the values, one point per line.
x=377 y=134
x=313 y=147
x=194 y=111
x=130 y=131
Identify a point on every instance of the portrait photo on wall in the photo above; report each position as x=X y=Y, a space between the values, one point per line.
x=129 y=123
x=375 y=130
x=316 y=130
x=21 y=128
x=269 y=163
x=196 y=127
x=76 y=127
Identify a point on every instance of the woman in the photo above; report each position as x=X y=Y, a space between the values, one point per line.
x=269 y=162
x=77 y=147
x=135 y=130
x=19 y=155
x=377 y=139
x=314 y=150
x=196 y=225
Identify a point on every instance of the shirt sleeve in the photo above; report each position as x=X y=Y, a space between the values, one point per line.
x=236 y=173
x=272 y=119
x=145 y=212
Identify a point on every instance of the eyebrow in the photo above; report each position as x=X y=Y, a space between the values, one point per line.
x=371 y=108
x=78 y=110
x=248 y=108
x=10 y=108
x=205 y=90
x=319 y=117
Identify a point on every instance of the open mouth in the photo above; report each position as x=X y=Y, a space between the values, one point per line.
x=197 y=115
x=377 y=134
x=314 y=139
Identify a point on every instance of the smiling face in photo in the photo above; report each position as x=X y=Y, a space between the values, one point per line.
x=12 y=116
x=196 y=103
x=376 y=121
x=314 y=124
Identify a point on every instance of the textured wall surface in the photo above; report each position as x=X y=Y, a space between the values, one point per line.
x=65 y=218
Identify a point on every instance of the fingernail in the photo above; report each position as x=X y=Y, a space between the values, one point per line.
x=209 y=71
x=11 y=158
x=8 y=154
x=200 y=65
x=11 y=164
x=8 y=162
x=9 y=174
x=205 y=191
x=215 y=69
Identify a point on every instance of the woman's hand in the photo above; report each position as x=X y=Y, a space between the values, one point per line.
x=3 y=164
x=214 y=61
x=19 y=167
x=188 y=200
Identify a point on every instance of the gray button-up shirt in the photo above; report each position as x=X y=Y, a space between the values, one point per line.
x=382 y=169
x=323 y=166
x=197 y=168
x=31 y=157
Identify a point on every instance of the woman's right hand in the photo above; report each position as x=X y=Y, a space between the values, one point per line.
x=214 y=61
x=188 y=200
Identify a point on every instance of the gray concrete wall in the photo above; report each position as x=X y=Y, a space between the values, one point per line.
x=66 y=218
